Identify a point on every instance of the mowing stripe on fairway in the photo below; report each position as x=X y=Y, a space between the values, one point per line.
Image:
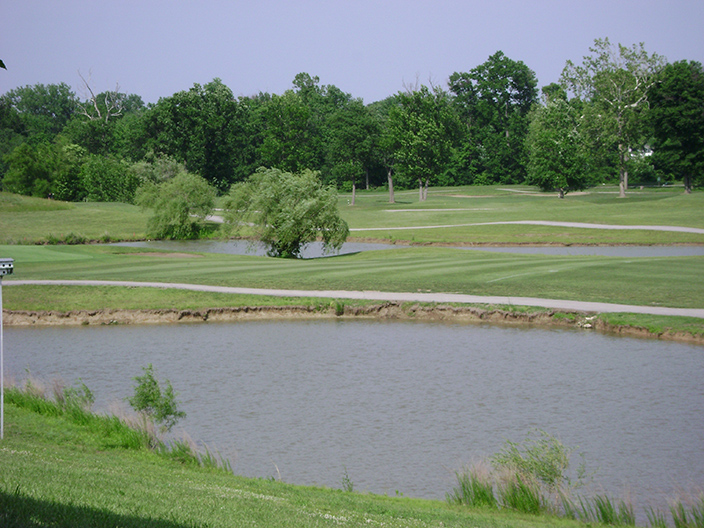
x=559 y=304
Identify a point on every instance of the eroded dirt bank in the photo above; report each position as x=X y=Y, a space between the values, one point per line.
x=389 y=310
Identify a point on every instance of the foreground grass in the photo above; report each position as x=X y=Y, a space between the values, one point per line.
x=54 y=472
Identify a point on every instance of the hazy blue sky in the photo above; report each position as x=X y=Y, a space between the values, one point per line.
x=368 y=48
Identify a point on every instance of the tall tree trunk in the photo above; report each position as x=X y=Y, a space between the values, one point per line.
x=354 y=191
x=687 y=180
x=390 y=179
x=622 y=172
x=420 y=189
x=425 y=190
x=367 y=177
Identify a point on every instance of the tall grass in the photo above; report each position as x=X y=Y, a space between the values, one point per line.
x=602 y=509
x=530 y=477
x=74 y=406
x=118 y=429
x=521 y=492
x=475 y=487
x=692 y=517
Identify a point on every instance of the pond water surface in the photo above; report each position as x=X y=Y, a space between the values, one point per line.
x=399 y=406
x=315 y=249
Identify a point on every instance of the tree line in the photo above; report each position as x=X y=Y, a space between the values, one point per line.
x=622 y=115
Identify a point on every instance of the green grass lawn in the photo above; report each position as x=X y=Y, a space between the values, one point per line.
x=25 y=220
x=473 y=205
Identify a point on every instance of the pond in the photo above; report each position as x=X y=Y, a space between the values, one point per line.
x=315 y=250
x=244 y=247
x=398 y=406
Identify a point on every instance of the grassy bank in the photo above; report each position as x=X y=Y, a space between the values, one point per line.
x=57 y=472
x=86 y=305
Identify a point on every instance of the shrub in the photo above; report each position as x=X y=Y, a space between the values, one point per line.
x=530 y=477
x=544 y=459
x=78 y=396
x=157 y=404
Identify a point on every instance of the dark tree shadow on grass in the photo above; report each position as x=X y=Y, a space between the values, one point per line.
x=18 y=511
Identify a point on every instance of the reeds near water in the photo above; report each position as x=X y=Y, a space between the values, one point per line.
x=531 y=478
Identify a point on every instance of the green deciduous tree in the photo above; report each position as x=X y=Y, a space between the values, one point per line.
x=30 y=170
x=46 y=169
x=44 y=109
x=677 y=119
x=424 y=127
x=386 y=145
x=207 y=129
x=493 y=102
x=12 y=131
x=352 y=133
x=291 y=140
x=296 y=127
x=68 y=184
x=555 y=144
x=286 y=211
x=180 y=204
x=107 y=179
x=615 y=81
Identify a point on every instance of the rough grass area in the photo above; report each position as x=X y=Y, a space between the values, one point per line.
x=26 y=220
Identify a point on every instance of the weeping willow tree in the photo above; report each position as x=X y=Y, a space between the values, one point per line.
x=285 y=211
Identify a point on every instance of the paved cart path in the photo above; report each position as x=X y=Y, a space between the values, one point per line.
x=580 y=225
x=559 y=304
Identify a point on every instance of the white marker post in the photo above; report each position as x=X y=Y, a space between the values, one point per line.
x=6 y=267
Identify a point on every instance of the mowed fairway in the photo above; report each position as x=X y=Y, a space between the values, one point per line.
x=673 y=282
x=455 y=216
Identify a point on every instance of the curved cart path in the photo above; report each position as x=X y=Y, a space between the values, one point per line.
x=559 y=304
x=580 y=225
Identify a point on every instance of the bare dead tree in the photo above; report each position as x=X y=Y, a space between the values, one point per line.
x=110 y=104
x=411 y=87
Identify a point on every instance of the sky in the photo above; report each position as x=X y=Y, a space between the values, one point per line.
x=368 y=48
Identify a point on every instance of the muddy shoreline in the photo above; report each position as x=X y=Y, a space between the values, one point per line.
x=387 y=310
